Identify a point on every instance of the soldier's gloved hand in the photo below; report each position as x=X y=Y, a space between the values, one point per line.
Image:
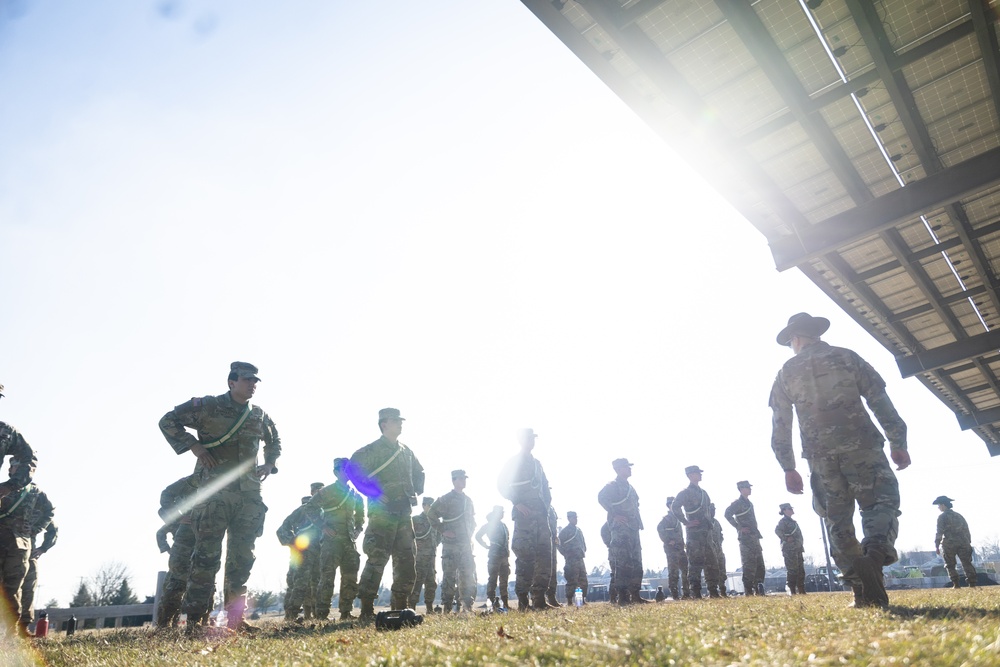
x=36 y=553
x=793 y=481
x=901 y=458
x=161 y=542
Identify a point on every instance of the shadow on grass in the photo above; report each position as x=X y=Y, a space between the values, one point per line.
x=941 y=613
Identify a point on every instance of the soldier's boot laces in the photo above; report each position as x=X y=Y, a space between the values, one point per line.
x=869 y=570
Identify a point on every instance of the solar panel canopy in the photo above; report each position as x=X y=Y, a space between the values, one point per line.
x=860 y=138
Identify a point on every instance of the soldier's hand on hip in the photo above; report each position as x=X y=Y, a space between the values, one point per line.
x=793 y=481
x=263 y=471
x=204 y=456
x=901 y=458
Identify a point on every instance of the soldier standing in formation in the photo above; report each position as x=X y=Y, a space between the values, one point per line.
x=454 y=517
x=498 y=560
x=388 y=473
x=31 y=577
x=229 y=433
x=21 y=512
x=302 y=537
x=953 y=537
x=671 y=533
x=621 y=502
x=427 y=540
x=340 y=512
x=692 y=509
x=843 y=448
x=720 y=555
x=523 y=482
x=792 y=546
x=573 y=548
x=741 y=516
x=175 y=511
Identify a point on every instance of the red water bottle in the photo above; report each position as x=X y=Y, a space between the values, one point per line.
x=42 y=626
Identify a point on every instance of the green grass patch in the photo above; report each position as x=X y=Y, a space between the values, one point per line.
x=936 y=627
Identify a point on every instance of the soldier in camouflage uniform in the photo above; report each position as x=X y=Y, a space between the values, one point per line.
x=573 y=548
x=13 y=444
x=498 y=560
x=792 y=546
x=302 y=537
x=454 y=518
x=954 y=539
x=308 y=605
x=553 y=587
x=523 y=482
x=30 y=582
x=427 y=540
x=621 y=502
x=612 y=588
x=229 y=478
x=388 y=473
x=339 y=511
x=176 y=515
x=843 y=448
x=720 y=555
x=692 y=508
x=671 y=533
x=21 y=512
x=741 y=516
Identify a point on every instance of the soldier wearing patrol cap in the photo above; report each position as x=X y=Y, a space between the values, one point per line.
x=229 y=432
x=792 y=546
x=427 y=538
x=498 y=560
x=454 y=517
x=740 y=516
x=302 y=537
x=388 y=473
x=954 y=539
x=671 y=533
x=621 y=502
x=693 y=508
x=339 y=511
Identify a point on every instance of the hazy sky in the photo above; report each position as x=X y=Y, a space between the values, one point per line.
x=433 y=206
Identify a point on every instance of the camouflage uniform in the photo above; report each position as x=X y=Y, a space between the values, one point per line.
x=740 y=516
x=523 y=482
x=177 y=521
x=690 y=504
x=672 y=535
x=391 y=477
x=553 y=587
x=21 y=511
x=720 y=555
x=339 y=511
x=30 y=582
x=234 y=510
x=612 y=587
x=13 y=444
x=453 y=512
x=498 y=560
x=621 y=502
x=843 y=448
x=953 y=539
x=573 y=548
x=427 y=539
x=302 y=536
x=792 y=547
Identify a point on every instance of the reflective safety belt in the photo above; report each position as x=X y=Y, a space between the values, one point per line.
x=391 y=459
x=232 y=431
x=24 y=494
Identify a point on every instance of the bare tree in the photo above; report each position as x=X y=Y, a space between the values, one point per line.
x=989 y=549
x=108 y=582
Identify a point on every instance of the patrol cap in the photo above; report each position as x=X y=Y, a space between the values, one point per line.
x=802 y=324
x=943 y=500
x=692 y=469
x=389 y=413
x=620 y=463
x=744 y=484
x=244 y=370
x=784 y=506
x=339 y=462
x=427 y=501
x=526 y=433
x=570 y=514
x=670 y=500
x=316 y=486
x=455 y=474
x=306 y=499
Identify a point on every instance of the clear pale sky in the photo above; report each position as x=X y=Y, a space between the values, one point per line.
x=432 y=206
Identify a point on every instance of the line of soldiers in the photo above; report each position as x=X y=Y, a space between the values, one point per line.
x=25 y=513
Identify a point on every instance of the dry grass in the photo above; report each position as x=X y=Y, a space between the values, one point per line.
x=937 y=627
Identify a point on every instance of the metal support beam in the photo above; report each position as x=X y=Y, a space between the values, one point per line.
x=979 y=418
x=927 y=194
x=945 y=355
x=986 y=37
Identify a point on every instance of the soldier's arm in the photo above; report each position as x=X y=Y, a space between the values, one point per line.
x=161 y=539
x=939 y=535
x=781 y=426
x=678 y=509
x=872 y=387
x=583 y=542
x=25 y=455
x=51 y=535
x=175 y=423
x=359 y=513
x=434 y=514
x=286 y=531
x=272 y=445
x=418 y=476
x=730 y=515
x=479 y=535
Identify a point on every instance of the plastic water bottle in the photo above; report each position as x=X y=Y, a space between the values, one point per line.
x=222 y=618
x=182 y=621
x=578 y=597
x=71 y=626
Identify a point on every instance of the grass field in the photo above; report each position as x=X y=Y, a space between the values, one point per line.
x=930 y=627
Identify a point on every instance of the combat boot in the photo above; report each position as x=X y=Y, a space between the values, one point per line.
x=522 y=602
x=346 y=616
x=675 y=594
x=538 y=602
x=398 y=602
x=368 y=610
x=234 y=613
x=636 y=597
x=550 y=599
x=447 y=605
x=869 y=569
x=504 y=602
x=307 y=613
x=859 y=597
x=955 y=583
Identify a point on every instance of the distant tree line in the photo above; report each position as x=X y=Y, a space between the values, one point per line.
x=109 y=586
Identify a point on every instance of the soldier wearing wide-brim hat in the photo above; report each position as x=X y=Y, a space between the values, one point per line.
x=954 y=541
x=792 y=546
x=823 y=386
x=229 y=433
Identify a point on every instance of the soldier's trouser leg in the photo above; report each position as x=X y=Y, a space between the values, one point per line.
x=13 y=567
x=948 y=555
x=388 y=535
x=532 y=547
x=628 y=561
x=752 y=558
x=329 y=563
x=698 y=553
x=244 y=529
x=449 y=576
x=965 y=555
x=28 y=591
x=209 y=522
x=301 y=596
x=492 y=575
x=426 y=579
x=350 y=563
x=720 y=559
x=178 y=572
x=503 y=580
x=576 y=577
x=553 y=569
x=467 y=578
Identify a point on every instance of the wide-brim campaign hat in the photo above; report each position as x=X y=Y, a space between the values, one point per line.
x=802 y=324
x=942 y=500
